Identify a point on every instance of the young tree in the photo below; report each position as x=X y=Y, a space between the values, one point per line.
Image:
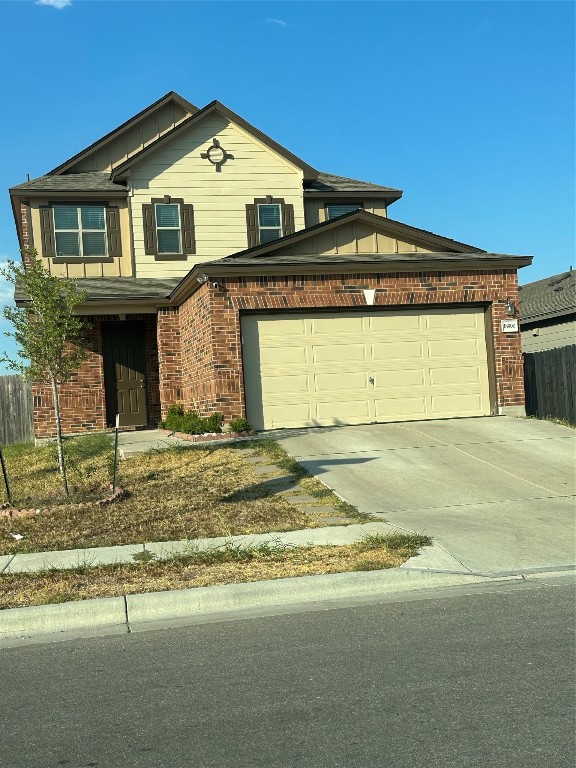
x=49 y=334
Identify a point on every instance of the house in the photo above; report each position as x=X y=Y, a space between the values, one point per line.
x=548 y=312
x=225 y=273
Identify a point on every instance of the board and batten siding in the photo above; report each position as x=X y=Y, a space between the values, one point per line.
x=219 y=199
x=77 y=268
x=315 y=210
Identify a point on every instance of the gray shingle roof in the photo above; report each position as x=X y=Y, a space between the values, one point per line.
x=72 y=182
x=328 y=182
x=552 y=297
x=358 y=258
x=100 y=288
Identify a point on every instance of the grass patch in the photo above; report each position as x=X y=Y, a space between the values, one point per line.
x=180 y=493
x=229 y=564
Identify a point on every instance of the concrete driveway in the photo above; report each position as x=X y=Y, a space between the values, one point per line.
x=496 y=493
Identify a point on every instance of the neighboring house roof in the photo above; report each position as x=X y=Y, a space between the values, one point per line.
x=94 y=181
x=171 y=96
x=390 y=225
x=554 y=296
x=215 y=106
x=104 y=288
x=328 y=182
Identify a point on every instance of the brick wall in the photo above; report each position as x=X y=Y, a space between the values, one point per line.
x=169 y=358
x=210 y=323
x=82 y=399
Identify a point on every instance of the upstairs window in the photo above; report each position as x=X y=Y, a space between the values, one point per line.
x=333 y=211
x=267 y=219
x=168 y=228
x=269 y=223
x=80 y=230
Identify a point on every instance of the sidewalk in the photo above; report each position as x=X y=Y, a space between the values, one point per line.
x=433 y=568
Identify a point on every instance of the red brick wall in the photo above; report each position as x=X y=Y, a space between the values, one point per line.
x=210 y=323
x=82 y=399
x=169 y=358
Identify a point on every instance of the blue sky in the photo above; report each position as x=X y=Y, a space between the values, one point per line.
x=466 y=106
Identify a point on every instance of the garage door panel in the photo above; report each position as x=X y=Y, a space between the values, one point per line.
x=316 y=368
x=350 y=410
x=399 y=350
x=400 y=408
x=451 y=348
x=336 y=382
x=335 y=353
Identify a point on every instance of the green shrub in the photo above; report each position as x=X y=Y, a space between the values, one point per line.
x=240 y=425
x=180 y=420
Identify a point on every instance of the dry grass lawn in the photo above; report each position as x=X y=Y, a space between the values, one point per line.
x=225 y=566
x=176 y=494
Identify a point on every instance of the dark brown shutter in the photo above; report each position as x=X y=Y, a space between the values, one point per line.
x=149 y=223
x=113 y=232
x=188 y=238
x=252 y=225
x=47 y=232
x=288 y=219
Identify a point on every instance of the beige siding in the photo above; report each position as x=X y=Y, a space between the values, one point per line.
x=561 y=334
x=315 y=210
x=120 y=267
x=352 y=368
x=132 y=140
x=219 y=199
x=353 y=238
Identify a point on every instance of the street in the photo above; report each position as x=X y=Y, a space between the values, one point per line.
x=454 y=681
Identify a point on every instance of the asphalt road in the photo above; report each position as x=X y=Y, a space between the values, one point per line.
x=459 y=681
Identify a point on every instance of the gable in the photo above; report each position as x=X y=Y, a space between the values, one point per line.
x=358 y=233
x=131 y=137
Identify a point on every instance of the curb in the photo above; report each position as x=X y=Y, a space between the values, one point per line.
x=176 y=605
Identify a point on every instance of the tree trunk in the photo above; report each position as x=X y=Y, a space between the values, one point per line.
x=61 y=462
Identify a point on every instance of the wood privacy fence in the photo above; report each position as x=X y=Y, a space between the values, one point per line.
x=16 y=412
x=550 y=383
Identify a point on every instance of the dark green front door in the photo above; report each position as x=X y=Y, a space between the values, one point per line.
x=124 y=350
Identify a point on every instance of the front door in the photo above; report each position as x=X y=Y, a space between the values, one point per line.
x=124 y=351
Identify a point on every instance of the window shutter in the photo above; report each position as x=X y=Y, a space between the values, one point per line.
x=47 y=232
x=187 y=223
x=113 y=232
x=288 y=219
x=251 y=225
x=149 y=223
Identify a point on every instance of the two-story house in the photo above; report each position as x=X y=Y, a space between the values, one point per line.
x=226 y=274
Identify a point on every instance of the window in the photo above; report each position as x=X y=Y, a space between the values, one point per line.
x=269 y=223
x=335 y=210
x=267 y=219
x=168 y=228
x=80 y=230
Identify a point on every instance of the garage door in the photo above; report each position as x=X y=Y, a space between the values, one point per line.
x=355 y=368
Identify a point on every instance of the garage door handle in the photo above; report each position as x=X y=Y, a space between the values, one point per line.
x=371 y=379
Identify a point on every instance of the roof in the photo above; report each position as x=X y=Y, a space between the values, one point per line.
x=102 y=288
x=360 y=258
x=328 y=182
x=167 y=98
x=216 y=106
x=94 y=181
x=554 y=296
x=392 y=226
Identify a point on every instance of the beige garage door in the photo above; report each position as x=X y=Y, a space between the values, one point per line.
x=355 y=368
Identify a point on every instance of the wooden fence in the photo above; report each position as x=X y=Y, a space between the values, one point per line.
x=550 y=383
x=16 y=412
